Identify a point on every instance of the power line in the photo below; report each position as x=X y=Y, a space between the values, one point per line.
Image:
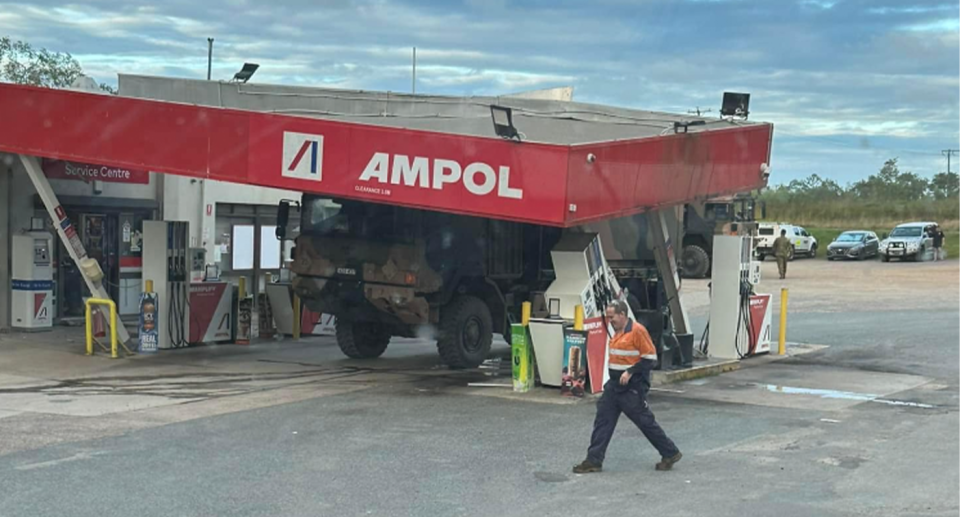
x=840 y=143
x=949 y=153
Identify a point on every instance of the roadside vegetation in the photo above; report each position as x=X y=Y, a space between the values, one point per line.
x=877 y=203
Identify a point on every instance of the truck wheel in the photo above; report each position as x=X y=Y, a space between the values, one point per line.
x=466 y=332
x=885 y=258
x=813 y=251
x=361 y=340
x=793 y=253
x=695 y=261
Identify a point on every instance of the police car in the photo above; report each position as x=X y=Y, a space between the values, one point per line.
x=803 y=242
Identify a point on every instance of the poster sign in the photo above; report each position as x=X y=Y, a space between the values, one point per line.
x=574 y=373
x=148 y=334
x=265 y=317
x=759 y=323
x=522 y=354
x=64 y=170
x=245 y=321
x=596 y=352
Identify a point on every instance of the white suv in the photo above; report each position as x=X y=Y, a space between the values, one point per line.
x=803 y=242
x=909 y=241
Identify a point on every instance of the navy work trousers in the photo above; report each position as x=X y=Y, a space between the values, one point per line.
x=630 y=400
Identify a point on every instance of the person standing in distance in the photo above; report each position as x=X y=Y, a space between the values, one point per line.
x=632 y=357
x=781 y=249
x=937 y=243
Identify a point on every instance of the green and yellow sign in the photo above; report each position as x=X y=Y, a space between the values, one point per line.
x=522 y=353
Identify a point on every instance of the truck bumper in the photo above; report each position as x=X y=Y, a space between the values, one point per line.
x=359 y=301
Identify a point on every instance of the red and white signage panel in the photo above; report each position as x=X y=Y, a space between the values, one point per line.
x=64 y=170
x=210 y=314
x=550 y=184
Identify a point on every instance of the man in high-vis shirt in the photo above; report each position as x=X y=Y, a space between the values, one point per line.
x=632 y=357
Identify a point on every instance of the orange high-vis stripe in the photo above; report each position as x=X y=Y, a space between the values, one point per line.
x=631 y=345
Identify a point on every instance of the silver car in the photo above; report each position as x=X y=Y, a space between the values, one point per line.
x=856 y=245
x=909 y=241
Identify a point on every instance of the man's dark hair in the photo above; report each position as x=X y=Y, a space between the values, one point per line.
x=619 y=307
x=783 y=233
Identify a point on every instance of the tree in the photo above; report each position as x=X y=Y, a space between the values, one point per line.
x=889 y=184
x=945 y=185
x=21 y=63
x=815 y=187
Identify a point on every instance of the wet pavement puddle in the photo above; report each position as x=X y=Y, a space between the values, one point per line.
x=844 y=395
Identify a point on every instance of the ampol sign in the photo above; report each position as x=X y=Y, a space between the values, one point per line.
x=63 y=170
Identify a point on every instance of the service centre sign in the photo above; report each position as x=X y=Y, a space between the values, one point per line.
x=63 y=170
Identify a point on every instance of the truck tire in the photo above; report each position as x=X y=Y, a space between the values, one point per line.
x=695 y=261
x=361 y=340
x=465 y=333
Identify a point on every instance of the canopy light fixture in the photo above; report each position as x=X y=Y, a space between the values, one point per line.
x=246 y=72
x=735 y=105
x=503 y=122
x=684 y=126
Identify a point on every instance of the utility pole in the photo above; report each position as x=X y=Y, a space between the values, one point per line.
x=949 y=153
x=209 y=56
x=698 y=111
x=414 y=70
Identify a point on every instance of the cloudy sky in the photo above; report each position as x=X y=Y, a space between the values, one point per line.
x=848 y=84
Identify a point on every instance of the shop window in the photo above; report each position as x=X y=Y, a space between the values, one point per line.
x=242 y=244
x=269 y=248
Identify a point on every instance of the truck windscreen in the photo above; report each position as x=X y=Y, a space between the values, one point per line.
x=322 y=217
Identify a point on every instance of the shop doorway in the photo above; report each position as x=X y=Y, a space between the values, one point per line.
x=113 y=238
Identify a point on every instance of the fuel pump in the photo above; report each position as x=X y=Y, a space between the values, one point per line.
x=166 y=262
x=32 y=296
x=739 y=318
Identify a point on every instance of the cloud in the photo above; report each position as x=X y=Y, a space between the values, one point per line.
x=881 y=71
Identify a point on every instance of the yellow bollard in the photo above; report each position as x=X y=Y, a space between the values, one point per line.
x=149 y=284
x=88 y=316
x=783 y=321
x=525 y=311
x=296 y=316
x=578 y=317
x=242 y=288
x=113 y=330
x=113 y=324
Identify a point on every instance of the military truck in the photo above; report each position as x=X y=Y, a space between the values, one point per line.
x=701 y=221
x=385 y=270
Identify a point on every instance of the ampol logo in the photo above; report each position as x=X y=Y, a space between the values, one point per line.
x=40 y=310
x=302 y=156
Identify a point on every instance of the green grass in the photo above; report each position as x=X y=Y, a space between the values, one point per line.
x=853 y=213
x=826 y=235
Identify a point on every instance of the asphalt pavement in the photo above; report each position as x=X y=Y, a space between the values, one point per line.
x=866 y=426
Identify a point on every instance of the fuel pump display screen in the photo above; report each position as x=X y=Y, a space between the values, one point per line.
x=41 y=252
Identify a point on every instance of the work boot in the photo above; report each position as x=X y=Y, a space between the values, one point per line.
x=667 y=463
x=587 y=467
